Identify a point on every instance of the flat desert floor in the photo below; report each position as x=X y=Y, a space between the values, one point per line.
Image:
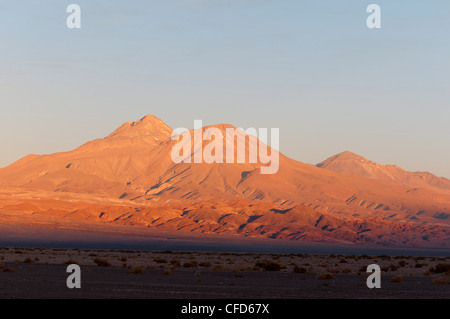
x=41 y=273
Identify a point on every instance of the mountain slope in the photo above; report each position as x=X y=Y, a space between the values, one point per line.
x=353 y=164
x=133 y=167
x=134 y=163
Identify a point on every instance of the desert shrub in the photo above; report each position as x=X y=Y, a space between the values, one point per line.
x=137 y=270
x=190 y=264
x=175 y=262
x=333 y=270
x=398 y=278
x=299 y=270
x=102 y=262
x=325 y=276
x=269 y=266
x=70 y=262
x=363 y=268
x=394 y=267
x=167 y=272
x=311 y=270
x=402 y=263
x=206 y=264
x=161 y=261
x=9 y=269
x=217 y=267
x=442 y=280
x=441 y=268
x=346 y=270
x=27 y=260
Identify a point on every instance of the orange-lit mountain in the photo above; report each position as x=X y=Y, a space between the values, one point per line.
x=353 y=164
x=129 y=178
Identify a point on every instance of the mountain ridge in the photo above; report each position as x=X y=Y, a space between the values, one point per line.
x=354 y=164
x=133 y=167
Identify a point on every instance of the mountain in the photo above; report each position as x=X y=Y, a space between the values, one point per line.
x=129 y=177
x=353 y=164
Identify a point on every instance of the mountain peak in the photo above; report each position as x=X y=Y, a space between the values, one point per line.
x=349 y=155
x=354 y=164
x=148 y=126
x=341 y=157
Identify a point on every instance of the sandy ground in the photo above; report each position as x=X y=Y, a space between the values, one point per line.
x=41 y=273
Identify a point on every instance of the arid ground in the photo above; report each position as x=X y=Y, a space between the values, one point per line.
x=41 y=273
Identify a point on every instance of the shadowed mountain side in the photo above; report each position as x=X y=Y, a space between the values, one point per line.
x=236 y=217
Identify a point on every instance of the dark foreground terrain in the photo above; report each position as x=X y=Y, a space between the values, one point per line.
x=41 y=273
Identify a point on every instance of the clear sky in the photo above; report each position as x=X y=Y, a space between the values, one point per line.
x=311 y=68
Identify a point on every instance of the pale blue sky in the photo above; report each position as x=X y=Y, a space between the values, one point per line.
x=311 y=68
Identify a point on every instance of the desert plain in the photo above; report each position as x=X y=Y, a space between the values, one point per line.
x=135 y=274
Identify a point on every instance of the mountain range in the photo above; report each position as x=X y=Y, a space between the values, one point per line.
x=129 y=178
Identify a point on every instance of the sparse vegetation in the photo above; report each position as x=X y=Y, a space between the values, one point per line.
x=442 y=280
x=299 y=270
x=346 y=270
x=270 y=265
x=175 y=262
x=161 y=261
x=102 y=262
x=137 y=270
x=441 y=268
x=191 y=264
x=217 y=267
x=206 y=264
x=9 y=269
x=325 y=276
x=397 y=279
x=167 y=272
